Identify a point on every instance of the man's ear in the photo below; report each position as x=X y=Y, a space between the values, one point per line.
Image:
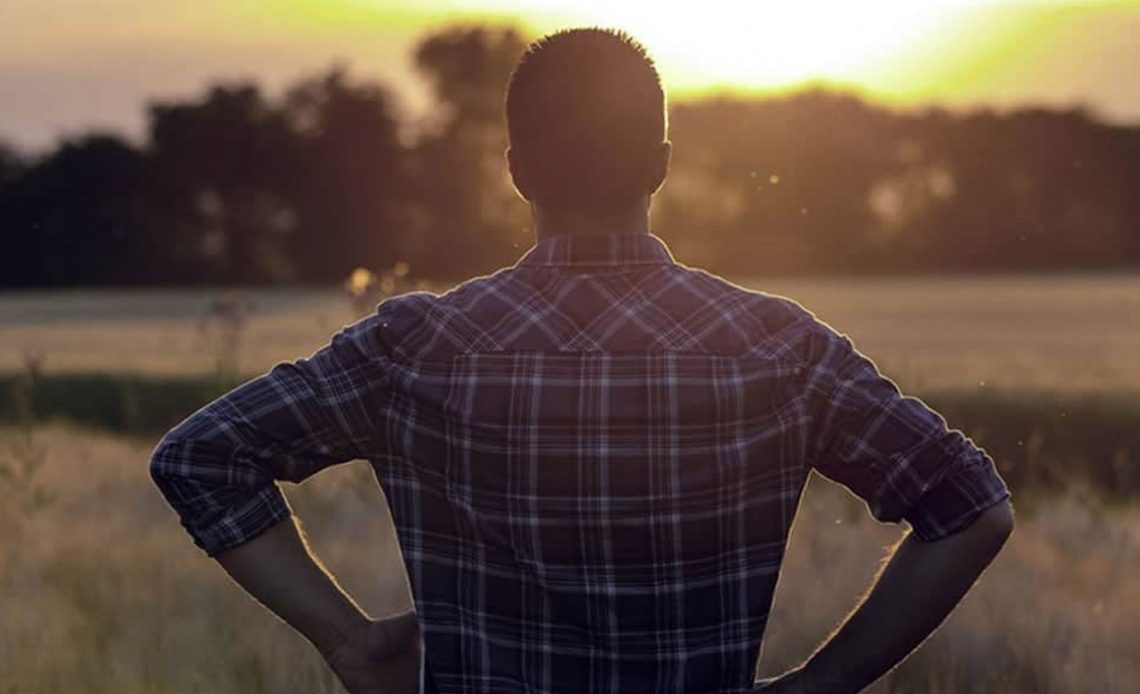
x=518 y=174
x=660 y=167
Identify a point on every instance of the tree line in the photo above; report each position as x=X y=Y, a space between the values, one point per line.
x=237 y=187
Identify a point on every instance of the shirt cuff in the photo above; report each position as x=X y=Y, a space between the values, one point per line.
x=963 y=494
x=242 y=521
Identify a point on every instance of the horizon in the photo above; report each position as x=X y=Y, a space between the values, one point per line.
x=111 y=62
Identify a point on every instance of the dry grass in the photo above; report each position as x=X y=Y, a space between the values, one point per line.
x=101 y=591
x=1067 y=333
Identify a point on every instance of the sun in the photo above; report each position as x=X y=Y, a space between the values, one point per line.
x=778 y=44
x=753 y=44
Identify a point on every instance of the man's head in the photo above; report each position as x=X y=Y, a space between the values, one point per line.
x=586 y=122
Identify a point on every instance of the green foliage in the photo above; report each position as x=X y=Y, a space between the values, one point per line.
x=121 y=403
x=1053 y=442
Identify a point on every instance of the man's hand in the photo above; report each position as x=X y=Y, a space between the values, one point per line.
x=369 y=656
x=379 y=657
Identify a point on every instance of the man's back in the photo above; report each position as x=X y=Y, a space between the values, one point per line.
x=594 y=484
x=593 y=460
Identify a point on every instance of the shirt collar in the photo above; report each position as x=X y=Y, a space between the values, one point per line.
x=598 y=251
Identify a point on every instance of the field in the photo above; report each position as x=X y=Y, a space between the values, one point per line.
x=101 y=590
x=1069 y=333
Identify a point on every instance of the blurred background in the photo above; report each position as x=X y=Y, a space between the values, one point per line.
x=191 y=192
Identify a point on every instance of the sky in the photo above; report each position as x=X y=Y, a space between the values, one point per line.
x=71 y=66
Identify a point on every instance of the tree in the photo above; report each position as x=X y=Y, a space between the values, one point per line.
x=222 y=164
x=11 y=165
x=76 y=217
x=462 y=190
x=346 y=178
x=774 y=185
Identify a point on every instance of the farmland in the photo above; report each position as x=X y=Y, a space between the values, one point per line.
x=1068 y=333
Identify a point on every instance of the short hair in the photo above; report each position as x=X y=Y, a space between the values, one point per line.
x=586 y=116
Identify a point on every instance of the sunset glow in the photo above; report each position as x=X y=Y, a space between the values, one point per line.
x=889 y=48
x=755 y=44
x=65 y=65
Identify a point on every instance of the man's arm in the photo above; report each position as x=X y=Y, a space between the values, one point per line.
x=298 y=589
x=279 y=571
x=219 y=470
x=900 y=457
x=918 y=587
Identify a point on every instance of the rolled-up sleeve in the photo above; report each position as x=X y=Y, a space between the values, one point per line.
x=893 y=451
x=219 y=468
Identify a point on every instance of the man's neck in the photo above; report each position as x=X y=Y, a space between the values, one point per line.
x=634 y=220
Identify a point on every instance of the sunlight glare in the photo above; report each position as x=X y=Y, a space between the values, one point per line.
x=752 y=44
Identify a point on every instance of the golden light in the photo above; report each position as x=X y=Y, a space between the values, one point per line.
x=905 y=52
x=752 y=45
x=360 y=281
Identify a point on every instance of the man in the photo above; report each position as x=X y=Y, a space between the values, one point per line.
x=592 y=458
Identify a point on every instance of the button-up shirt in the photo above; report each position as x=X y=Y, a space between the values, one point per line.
x=592 y=459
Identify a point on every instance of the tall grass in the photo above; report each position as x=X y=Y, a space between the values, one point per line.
x=102 y=591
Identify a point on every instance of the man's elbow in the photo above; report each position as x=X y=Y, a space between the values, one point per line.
x=185 y=481
x=169 y=466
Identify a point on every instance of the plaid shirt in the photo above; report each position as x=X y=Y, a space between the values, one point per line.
x=592 y=458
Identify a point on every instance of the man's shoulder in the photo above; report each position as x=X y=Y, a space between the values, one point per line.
x=773 y=324
x=408 y=324
x=498 y=288
x=776 y=306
